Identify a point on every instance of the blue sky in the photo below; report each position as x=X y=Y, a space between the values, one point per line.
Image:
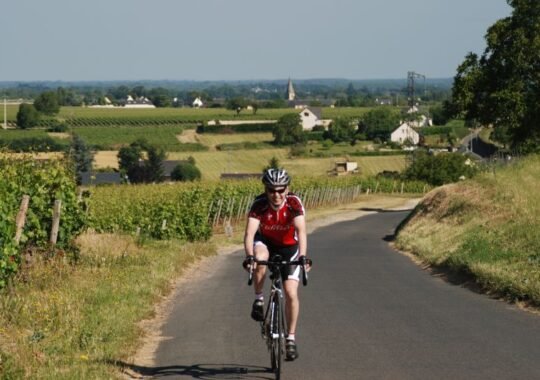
x=239 y=39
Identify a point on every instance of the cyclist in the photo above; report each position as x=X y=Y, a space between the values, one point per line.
x=276 y=225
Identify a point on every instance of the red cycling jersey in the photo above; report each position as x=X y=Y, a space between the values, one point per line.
x=276 y=226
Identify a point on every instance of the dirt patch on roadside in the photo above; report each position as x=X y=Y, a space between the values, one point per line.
x=203 y=269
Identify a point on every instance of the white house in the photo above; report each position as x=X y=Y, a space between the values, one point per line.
x=140 y=102
x=197 y=103
x=405 y=133
x=310 y=117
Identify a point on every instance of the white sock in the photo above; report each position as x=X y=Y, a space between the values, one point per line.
x=290 y=337
x=259 y=296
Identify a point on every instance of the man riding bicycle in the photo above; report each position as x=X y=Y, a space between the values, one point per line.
x=276 y=226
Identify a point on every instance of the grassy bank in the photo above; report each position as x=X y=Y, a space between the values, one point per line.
x=64 y=321
x=486 y=227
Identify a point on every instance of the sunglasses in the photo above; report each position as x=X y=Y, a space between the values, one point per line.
x=279 y=191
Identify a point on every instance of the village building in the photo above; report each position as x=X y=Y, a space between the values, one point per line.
x=405 y=134
x=290 y=95
x=197 y=103
x=140 y=102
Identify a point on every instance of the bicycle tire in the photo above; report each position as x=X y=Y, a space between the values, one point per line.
x=277 y=337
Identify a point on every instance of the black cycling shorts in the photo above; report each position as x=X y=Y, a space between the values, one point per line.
x=290 y=253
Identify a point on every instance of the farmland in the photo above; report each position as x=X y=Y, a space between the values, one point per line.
x=87 y=116
x=172 y=129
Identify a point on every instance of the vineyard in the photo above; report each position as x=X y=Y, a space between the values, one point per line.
x=88 y=116
x=44 y=182
x=192 y=211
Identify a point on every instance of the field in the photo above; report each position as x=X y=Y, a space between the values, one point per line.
x=211 y=140
x=97 y=116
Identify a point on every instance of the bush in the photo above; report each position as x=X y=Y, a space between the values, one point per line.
x=237 y=128
x=58 y=127
x=35 y=144
x=439 y=169
x=185 y=172
x=27 y=117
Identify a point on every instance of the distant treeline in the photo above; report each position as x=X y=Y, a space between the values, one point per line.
x=343 y=90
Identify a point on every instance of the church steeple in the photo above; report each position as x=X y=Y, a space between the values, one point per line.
x=290 y=91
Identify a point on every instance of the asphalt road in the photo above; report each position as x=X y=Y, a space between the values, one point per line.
x=367 y=313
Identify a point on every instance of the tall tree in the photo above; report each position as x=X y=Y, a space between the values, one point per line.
x=341 y=129
x=502 y=87
x=379 y=123
x=81 y=154
x=288 y=130
x=47 y=103
x=131 y=161
x=27 y=117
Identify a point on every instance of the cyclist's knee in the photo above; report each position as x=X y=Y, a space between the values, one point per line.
x=261 y=252
x=291 y=290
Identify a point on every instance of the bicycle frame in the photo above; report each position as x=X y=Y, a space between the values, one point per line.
x=274 y=326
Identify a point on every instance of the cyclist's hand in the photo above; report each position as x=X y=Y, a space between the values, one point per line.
x=249 y=263
x=306 y=263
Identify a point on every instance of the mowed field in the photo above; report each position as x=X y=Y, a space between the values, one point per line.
x=213 y=163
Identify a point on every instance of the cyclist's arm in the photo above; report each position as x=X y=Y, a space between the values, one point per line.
x=300 y=226
x=249 y=236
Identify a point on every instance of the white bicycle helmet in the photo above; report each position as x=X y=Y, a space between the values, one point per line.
x=276 y=177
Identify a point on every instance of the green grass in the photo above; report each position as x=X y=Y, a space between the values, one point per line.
x=183 y=114
x=16 y=134
x=112 y=138
x=77 y=321
x=351 y=112
x=487 y=227
x=212 y=140
x=212 y=164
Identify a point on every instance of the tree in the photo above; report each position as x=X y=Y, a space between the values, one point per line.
x=288 y=130
x=47 y=103
x=273 y=163
x=502 y=87
x=185 y=172
x=341 y=129
x=131 y=162
x=161 y=97
x=27 y=117
x=81 y=156
x=379 y=123
x=439 y=115
x=129 y=158
x=236 y=104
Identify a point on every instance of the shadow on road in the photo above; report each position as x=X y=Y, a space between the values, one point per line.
x=198 y=371
x=381 y=210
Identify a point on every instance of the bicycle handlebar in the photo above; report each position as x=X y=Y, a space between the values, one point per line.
x=302 y=264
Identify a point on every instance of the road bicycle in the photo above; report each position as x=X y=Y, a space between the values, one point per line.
x=274 y=325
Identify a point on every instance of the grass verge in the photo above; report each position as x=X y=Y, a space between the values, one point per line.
x=64 y=321
x=486 y=228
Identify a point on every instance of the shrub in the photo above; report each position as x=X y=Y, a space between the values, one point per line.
x=58 y=127
x=439 y=169
x=185 y=172
x=35 y=144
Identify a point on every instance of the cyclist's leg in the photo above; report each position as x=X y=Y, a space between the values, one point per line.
x=292 y=303
x=261 y=253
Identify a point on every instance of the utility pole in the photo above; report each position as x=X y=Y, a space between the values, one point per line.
x=4 y=126
x=411 y=76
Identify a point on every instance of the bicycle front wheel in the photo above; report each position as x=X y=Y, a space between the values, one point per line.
x=278 y=338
